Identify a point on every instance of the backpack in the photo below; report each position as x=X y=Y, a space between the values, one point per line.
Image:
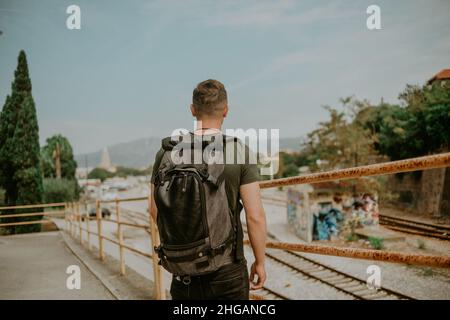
x=196 y=225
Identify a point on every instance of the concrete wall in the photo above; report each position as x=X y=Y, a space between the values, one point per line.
x=428 y=195
x=445 y=197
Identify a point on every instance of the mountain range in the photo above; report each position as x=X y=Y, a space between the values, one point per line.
x=140 y=153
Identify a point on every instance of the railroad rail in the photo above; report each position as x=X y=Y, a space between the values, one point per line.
x=266 y=293
x=340 y=281
x=415 y=227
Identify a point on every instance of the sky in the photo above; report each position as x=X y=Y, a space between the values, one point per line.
x=130 y=70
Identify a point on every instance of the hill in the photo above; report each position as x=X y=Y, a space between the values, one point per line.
x=141 y=152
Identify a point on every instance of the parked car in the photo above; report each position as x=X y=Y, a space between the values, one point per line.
x=105 y=213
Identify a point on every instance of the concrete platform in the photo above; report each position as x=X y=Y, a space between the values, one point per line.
x=131 y=286
x=33 y=266
x=380 y=233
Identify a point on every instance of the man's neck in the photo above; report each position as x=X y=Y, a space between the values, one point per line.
x=208 y=126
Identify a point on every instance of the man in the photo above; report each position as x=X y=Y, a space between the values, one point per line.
x=230 y=281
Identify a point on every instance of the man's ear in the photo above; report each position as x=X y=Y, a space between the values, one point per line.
x=225 y=111
x=193 y=111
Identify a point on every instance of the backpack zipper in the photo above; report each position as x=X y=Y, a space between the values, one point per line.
x=184 y=182
x=202 y=200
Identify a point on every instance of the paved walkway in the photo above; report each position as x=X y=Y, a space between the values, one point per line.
x=33 y=266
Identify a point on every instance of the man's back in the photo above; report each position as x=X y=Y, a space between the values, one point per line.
x=238 y=170
x=240 y=176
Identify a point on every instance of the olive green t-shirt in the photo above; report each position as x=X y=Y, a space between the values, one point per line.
x=236 y=174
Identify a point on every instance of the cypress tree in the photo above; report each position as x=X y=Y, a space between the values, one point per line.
x=6 y=181
x=26 y=161
x=19 y=148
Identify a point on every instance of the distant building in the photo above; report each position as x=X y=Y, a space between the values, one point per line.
x=105 y=162
x=89 y=182
x=443 y=77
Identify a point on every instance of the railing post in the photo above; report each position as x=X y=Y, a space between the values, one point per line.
x=160 y=293
x=66 y=219
x=120 y=236
x=88 y=231
x=72 y=222
x=79 y=222
x=99 y=230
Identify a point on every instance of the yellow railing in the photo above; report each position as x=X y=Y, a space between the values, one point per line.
x=74 y=219
x=408 y=165
x=31 y=214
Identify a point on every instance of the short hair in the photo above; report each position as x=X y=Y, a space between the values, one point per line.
x=209 y=98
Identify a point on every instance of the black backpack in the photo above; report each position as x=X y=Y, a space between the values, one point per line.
x=196 y=225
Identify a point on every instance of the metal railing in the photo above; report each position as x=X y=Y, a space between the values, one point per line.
x=74 y=220
x=407 y=165
x=31 y=214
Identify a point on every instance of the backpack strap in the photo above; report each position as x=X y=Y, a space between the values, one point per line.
x=164 y=165
x=211 y=251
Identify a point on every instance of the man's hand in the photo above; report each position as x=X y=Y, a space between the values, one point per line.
x=256 y=226
x=258 y=270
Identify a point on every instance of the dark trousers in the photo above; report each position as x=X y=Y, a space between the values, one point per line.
x=230 y=282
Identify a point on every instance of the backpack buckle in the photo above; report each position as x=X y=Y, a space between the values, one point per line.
x=218 y=250
x=158 y=251
x=186 y=280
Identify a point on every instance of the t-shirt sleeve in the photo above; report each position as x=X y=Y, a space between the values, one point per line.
x=156 y=164
x=249 y=170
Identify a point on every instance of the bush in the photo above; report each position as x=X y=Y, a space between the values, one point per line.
x=124 y=172
x=99 y=173
x=2 y=196
x=421 y=244
x=352 y=237
x=60 y=190
x=376 y=243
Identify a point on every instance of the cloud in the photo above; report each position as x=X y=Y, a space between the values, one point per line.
x=278 y=64
x=271 y=13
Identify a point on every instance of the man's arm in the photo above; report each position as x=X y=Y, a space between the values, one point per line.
x=256 y=226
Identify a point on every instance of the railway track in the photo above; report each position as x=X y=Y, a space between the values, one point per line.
x=415 y=227
x=310 y=269
x=343 y=282
x=267 y=294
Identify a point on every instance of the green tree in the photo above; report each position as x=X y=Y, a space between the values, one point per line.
x=19 y=148
x=64 y=188
x=342 y=141
x=436 y=115
x=67 y=161
x=99 y=173
x=20 y=90
x=417 y=127
x=60 y=190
